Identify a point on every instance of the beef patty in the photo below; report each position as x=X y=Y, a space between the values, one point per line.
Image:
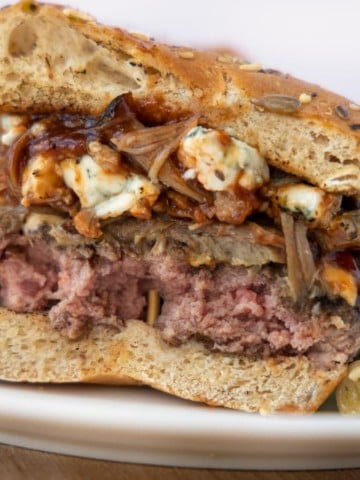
x=232 y=308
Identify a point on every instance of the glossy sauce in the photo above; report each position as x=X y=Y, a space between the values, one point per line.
x=67 y=136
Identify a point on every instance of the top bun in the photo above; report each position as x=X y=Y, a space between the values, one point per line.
x=54 y=58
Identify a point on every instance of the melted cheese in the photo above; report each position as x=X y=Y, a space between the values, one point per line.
x=109 y=194
x=311 y=202
x=340 y=282
x=217 y=160
x=11 y=127
x=42 y=182
x=221 y=161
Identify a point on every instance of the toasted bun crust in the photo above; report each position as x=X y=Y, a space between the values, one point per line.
x=55 y=58
x=31 y=351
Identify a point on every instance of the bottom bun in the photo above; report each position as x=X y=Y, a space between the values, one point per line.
x=31 y=351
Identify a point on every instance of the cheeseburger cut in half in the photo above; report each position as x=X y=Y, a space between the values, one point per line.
x=170 y=217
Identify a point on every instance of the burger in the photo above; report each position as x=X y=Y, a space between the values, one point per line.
x=172 y=217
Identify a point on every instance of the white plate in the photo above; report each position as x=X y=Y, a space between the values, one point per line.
x=144 y=426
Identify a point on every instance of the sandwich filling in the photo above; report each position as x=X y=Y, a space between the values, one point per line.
x=101 y=214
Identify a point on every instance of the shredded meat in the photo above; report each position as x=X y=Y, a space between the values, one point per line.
x=233 y=207
x=120 y=144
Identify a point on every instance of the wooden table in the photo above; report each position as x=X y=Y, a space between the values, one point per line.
x=22 y=464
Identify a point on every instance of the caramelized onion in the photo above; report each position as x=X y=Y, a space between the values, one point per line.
x=177 y=205
x=61 y=136
x=299 y=259
x=179 y=131
x=146 y=144
x=119 y=108
x=70 y=141
x=305 y=255
x=151 y=149
x=343 y=232
x=120 y=115
x=67 y=136
x=16 y=160
x=171 y=177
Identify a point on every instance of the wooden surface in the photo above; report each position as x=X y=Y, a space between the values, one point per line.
x=22 y=464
